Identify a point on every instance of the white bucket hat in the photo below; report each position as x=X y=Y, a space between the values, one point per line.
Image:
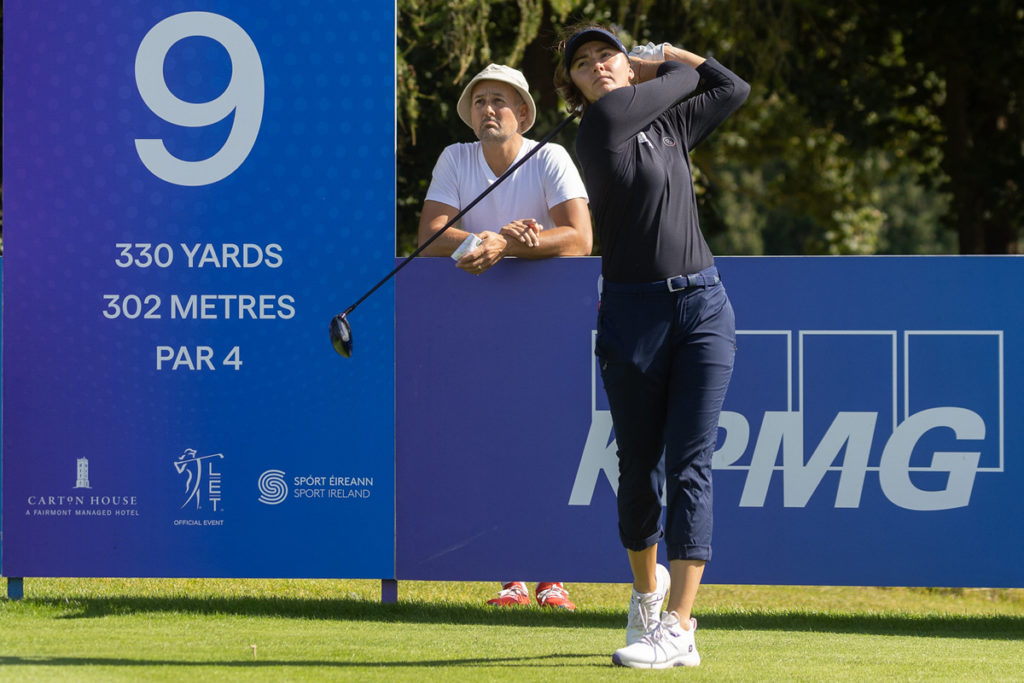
x=505 y=74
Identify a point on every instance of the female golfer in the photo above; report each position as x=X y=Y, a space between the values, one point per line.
x=666 y=334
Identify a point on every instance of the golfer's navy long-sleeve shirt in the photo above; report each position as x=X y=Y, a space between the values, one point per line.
x=633 y=145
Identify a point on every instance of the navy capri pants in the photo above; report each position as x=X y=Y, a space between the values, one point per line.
x=666 y=353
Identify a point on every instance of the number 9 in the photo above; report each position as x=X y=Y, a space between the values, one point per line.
x=243 y=95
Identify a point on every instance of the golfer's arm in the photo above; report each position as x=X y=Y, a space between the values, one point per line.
x=571 y=235
x=647 y=70
x=432 y=218
x=678 y=54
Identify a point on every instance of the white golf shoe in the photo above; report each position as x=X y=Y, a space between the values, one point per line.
x=666 y=645
x=645 y=608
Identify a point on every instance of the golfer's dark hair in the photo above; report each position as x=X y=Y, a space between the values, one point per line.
x=572 y=95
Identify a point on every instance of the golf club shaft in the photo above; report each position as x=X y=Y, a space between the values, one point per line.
x=460 y=214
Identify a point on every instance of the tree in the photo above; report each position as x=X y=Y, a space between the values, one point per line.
x=870 y=126
x=938 y=82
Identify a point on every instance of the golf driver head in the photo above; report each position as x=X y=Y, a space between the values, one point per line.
x=341 y=335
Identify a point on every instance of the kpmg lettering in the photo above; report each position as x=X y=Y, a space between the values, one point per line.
x=910 y=455
x=782 y=433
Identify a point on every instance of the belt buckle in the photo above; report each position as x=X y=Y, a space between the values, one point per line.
x=671 y=288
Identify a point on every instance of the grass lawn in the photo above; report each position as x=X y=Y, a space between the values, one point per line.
x=296 y=630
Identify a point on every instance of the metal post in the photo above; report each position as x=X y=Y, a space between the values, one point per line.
x=16 y=588
x=388 y=591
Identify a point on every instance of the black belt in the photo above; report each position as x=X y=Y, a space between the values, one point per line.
x=708 y=277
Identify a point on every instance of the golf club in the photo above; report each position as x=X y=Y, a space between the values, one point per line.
x=341 y=329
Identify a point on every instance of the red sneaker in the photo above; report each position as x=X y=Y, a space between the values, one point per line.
x=511 y=594
x=554 y=595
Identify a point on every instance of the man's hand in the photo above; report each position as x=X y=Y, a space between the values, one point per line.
x=490 y=251
x=526 y=231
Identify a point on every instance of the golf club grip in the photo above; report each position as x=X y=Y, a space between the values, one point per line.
x=460 y=214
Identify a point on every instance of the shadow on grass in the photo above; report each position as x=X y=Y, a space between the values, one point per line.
x=989 y=627
x=555 y=660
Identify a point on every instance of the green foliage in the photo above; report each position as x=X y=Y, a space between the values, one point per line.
x=872 y=127
x=939 y=87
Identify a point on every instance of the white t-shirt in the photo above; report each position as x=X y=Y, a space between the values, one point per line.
x=547 y=179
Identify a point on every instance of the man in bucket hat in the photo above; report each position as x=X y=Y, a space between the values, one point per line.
x=539 y=212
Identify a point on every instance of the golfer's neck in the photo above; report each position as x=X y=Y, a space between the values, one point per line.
x=500 y=155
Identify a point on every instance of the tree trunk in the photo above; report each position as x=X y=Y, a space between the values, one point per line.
x=973 y=155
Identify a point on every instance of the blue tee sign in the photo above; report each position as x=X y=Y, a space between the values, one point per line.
x=193 y=190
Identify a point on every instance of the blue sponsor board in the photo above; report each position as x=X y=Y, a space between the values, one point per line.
x=1 y=422
x=867 y=438
x=193 y=190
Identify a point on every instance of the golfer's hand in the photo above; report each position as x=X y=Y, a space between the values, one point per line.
x=491 y=250
x=649 y=52
x=526 y=231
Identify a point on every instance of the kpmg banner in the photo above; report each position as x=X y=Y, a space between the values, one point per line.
x=870 y=435
x=193 y=189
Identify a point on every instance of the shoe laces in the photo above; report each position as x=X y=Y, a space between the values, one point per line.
x=661 y=629
x=657 y=633
x=654 y=636
x=554 y=591
x=644 y=602
x=513 y=590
